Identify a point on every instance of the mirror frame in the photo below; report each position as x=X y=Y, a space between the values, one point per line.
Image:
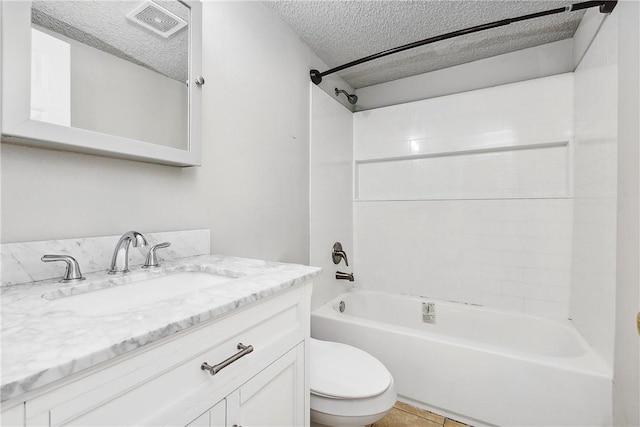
x=19 y=128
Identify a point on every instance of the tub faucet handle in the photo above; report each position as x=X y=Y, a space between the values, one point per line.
x=152 y=258
x=338 y=254
x=72 y=273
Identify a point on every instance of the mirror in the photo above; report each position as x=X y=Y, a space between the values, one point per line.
x=99 y=66
x=108 y=77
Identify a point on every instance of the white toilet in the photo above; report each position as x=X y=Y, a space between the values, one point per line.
x=349 y=387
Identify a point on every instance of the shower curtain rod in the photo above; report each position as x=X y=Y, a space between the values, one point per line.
x=606 y=6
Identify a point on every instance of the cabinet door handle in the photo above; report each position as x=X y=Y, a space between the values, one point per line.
x=244 y=350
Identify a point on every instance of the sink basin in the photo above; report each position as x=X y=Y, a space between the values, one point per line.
x=135 y=294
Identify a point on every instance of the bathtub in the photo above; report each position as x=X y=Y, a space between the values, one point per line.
x=474 y=364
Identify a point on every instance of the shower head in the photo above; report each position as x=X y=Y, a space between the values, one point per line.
x=351 y=98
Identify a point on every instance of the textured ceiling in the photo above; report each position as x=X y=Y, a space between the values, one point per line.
x=343 y=31
x=103 y=24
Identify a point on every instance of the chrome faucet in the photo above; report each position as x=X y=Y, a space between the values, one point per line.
x=121 y=252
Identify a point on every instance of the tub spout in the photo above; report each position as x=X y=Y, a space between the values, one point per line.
x=344 y=276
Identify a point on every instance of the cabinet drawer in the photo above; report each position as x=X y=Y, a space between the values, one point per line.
x=168 y=376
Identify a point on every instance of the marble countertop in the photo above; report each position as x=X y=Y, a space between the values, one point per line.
x=42 y=342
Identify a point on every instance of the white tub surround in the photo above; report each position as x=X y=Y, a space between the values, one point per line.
x=595 y=203
x=42 y=344
x=473 y=193
x=330 y=195
x=478 y=365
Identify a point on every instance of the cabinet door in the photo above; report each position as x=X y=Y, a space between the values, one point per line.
x=218 y=414
x=214 y=417
x=275 y=396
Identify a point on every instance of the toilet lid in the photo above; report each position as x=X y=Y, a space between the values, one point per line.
x=345 y=372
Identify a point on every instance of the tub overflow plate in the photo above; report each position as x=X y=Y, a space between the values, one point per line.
x=428 y=312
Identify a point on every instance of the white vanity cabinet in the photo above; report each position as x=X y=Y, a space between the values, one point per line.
x=163 y=383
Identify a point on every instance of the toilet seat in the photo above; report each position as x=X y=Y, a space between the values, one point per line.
x=380 y=404
x=349 y=387
x=340 y=371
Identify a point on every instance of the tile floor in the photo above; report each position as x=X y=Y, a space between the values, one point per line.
x=403 y=415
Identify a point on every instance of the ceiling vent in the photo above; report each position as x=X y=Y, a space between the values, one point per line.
x=157 y=19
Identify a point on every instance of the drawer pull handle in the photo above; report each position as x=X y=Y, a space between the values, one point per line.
x=244 y=350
